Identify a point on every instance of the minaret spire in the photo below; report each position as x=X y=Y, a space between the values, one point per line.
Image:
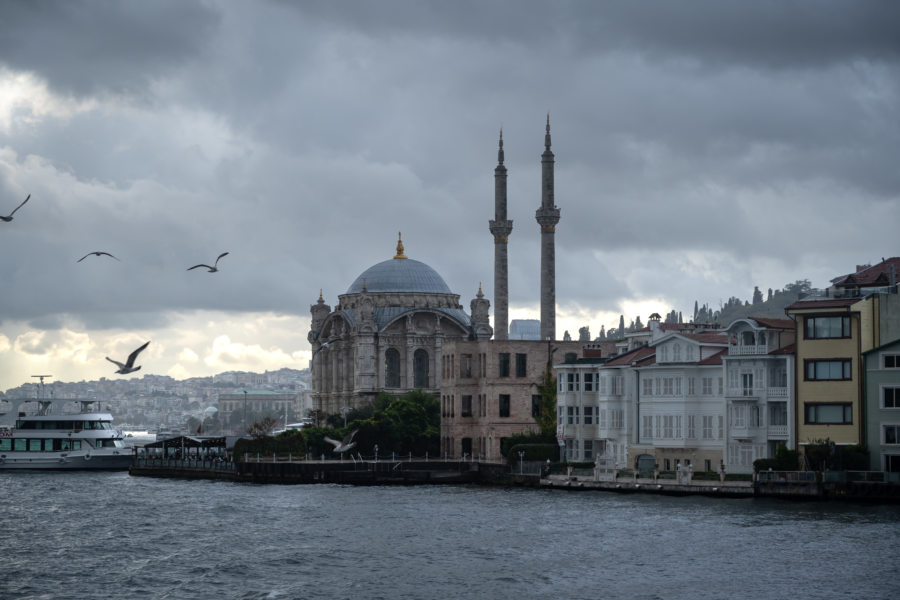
x=500 y=227
x=547 y=217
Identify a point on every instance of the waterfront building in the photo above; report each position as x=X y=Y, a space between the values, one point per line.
x=836 y=327
x=387 y=333
x=239 y=410
x=882 y=370
x=657 y=405
x=489 y=392
x=759 y=372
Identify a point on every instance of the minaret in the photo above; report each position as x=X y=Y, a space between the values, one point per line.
x=500 y=228
x=547 y=217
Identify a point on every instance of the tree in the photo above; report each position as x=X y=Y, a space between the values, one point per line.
x=262 y=428
x=547 y=389
x=757 y=295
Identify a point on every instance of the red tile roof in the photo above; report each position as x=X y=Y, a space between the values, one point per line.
x=626 y=359
x=707 y=338
x=775 y=323
x=715 y=359
x=789 y=349
x=874 y=275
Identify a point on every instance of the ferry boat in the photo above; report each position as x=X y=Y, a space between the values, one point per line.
x=34 y=436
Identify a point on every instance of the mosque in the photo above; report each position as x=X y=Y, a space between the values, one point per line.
x=399 y=327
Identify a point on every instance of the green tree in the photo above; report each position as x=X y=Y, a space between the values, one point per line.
x=262 y=428
x=547 y=389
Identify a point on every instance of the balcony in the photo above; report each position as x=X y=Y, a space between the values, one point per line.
x=741 y=350
x=777 y=432
x=777 y=392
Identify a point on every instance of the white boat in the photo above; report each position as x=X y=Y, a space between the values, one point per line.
x=34 y=436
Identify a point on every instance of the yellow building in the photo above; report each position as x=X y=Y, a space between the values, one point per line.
x=832 y=334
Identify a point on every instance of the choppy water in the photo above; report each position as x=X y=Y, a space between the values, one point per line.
x=109 y=535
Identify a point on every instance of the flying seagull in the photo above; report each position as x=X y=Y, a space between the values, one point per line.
x=344 y=445
x=96 y=254
x=212 y=269
x=128 y=367
x=9 y=218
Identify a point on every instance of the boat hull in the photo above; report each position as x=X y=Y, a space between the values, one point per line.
x=52 y=461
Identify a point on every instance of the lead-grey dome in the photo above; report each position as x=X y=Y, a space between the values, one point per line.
x=400 y=275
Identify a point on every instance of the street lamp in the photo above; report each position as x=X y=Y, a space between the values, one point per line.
x=521 y=461
x=245 y=411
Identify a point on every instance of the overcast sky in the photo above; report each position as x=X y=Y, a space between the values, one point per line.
x=702 y=148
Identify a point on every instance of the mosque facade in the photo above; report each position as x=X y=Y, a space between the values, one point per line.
x=387 y=333
x=399 y=327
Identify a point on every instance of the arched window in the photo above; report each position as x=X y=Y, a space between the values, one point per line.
x=420 y=367
x=392 y=368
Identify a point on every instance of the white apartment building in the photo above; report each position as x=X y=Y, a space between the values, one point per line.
x=759 y=370
x=704 y=398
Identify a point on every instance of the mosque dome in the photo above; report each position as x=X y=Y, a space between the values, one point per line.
x=400 y=274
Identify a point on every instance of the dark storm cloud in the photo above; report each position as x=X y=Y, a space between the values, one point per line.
x=91 y=46
x=767 y=34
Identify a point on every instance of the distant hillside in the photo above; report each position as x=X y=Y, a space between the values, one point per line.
x=773 y=308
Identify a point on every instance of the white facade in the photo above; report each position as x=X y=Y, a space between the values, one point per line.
x=707 y=399
x=759 y=391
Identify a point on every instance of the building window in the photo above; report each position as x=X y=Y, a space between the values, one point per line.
x=707 y=427
x=392 y=368
x=827 y=370
x=829 y=414
x=466 y=406
x=504 y=404
x=707 y=386
x=572 y=381
x=890 y=434
x=691 y=426
x=465 y=366
x=466 y=448
x=890 y=397
x=647 y=429
x=589 y=382
x=572 y=412
x=617 y=418
x=588 y=415
x=420 y=367
x=536 y=406
x=588 y=449
x=503 y=366
x=648 y=387
x=818 y=328
x=891 y=361
x=521 y=364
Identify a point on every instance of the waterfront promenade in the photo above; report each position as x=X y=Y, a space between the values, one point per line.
x=806 y=485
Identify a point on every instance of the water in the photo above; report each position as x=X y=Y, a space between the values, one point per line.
x=103 y=535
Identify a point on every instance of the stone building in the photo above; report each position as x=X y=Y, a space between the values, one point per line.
x=387 y=333
x=399 y=327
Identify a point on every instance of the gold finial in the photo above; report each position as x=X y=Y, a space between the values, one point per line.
x=479 y=288
x=320 y=294
x=399 y=247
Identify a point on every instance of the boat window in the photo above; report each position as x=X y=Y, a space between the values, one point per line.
x=66 y=445
x=34 y=445
x=19 y=444
x=119 y=443
x=5 y=444
x=76 y=444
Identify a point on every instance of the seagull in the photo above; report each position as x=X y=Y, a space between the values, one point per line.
x=96 y=254
x=344 y=445
x=212 y=269
x=128 y=367
x=9 y=218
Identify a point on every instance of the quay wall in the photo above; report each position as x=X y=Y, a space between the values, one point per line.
x=801 y=486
